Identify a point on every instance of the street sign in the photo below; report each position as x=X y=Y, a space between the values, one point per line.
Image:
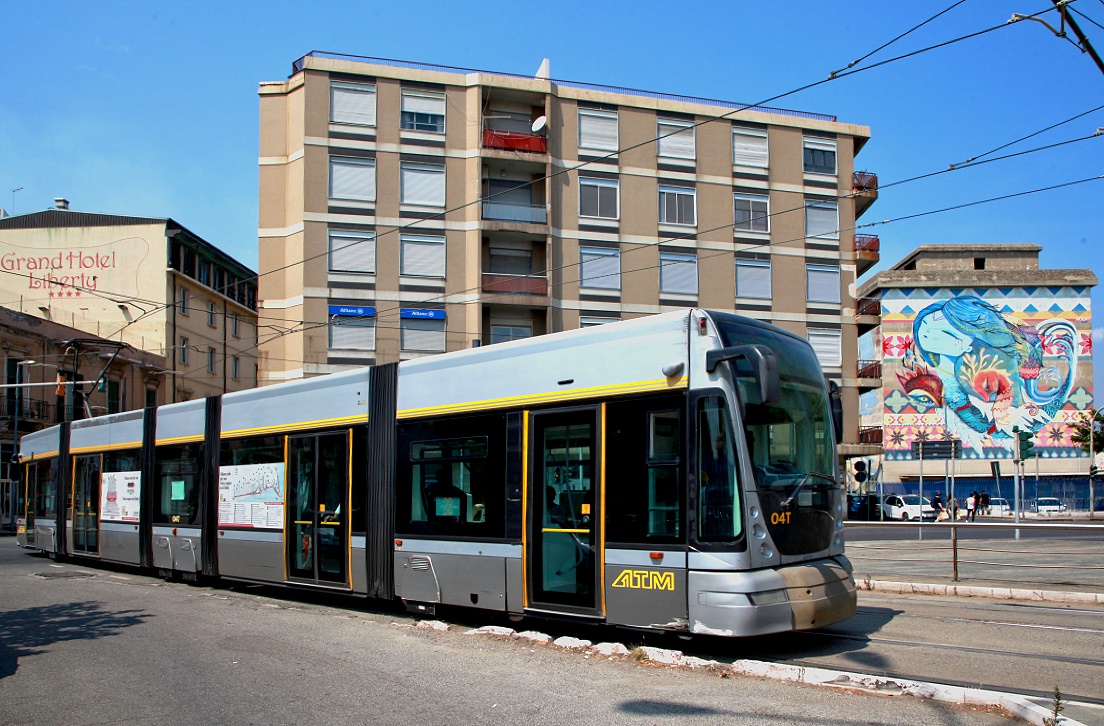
x=951 y=449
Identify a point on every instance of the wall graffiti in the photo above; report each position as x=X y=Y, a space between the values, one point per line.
x=974 y=365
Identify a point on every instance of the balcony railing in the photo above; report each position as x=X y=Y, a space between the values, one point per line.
x=870 y=369
x=514 y=141
x=514 y=284
x=870 y=435
x=869 y=306
x=867 y=243
x=31 y=410
x=865 y=181
x=506 y=212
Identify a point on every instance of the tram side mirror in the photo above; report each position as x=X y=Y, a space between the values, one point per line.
x=835 y=401
x=764 y=366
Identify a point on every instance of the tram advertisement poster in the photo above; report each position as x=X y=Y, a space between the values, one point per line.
x=120 y=496
x=252 y=495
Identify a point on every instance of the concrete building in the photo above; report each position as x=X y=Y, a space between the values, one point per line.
x=975 y=341
x=146 y=281
x=409 y=209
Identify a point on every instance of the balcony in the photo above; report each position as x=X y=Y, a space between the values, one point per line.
x=866 y=252
x=509 y=212
x=870 y=435
x=865 y=188
x=31 y=410
x=870 y=374
x=868 y=314
x=514 y=141
x=526 y=290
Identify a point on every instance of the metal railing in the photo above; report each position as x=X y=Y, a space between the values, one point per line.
x=31 y=410
x=867 y=243
x=1025 y=562
x=506 y=212
x=299 y=64
x=869 y=369
x=865 y=181
x=870 y=435
x=869 y=306
x=514 y=141
x=504 y=284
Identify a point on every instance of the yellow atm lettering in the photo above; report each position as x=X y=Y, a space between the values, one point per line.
x=645 y=580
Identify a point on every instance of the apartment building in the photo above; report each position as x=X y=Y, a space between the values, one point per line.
x=408 y=209
x=975 y=341
x=146 y=281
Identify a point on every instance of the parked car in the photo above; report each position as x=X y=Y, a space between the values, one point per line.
x=863 y=507
x=1048 y=506
x=1000 y=507
x=907 y=506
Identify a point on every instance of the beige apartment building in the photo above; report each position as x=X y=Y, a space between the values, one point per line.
x=409 y=209
x=146 y=281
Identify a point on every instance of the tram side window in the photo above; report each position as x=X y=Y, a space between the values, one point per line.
x=176 y=491
x=117 y=461
x=645 y=497
x=452 y=476
x=46 y=476
x=719 y=512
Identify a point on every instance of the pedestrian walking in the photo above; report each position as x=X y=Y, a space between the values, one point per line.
x=985 y=502
x=971 y=506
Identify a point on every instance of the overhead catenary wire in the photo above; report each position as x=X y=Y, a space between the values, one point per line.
x=899 y=37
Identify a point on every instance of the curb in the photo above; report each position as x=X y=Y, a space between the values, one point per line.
x=996 y=593
x=1019 y=706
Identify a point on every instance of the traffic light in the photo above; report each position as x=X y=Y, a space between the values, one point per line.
x=1025 y=442
x=859 y=471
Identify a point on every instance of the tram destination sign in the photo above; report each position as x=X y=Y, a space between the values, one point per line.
x=937 y=449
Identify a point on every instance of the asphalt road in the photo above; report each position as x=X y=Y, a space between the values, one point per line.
x=85 y=644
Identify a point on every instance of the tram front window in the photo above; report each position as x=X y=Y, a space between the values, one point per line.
x=790 y=442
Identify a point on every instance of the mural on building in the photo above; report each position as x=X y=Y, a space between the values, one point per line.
x=974 y=365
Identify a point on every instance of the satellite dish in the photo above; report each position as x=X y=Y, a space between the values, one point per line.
x=539 y=124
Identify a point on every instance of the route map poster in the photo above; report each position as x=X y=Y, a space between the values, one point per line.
x=120 y=496
x=252 y=495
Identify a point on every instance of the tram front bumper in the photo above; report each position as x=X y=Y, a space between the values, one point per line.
x=798 y=597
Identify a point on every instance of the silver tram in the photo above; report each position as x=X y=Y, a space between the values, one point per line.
x=674 y=472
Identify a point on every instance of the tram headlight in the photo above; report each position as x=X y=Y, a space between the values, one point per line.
x=770 y=597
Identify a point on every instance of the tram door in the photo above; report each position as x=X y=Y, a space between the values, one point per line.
x=318 y=517
x=563 y=518
x=86 y=504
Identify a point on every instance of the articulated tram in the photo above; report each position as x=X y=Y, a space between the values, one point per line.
x=674 y=472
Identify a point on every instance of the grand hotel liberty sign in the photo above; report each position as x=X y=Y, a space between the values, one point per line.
x=111 y=268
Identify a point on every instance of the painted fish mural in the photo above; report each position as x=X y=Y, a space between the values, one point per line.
x=987 y=373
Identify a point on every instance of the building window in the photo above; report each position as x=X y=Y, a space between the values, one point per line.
x=597 y=129
x=599 y=268
x=235 y=324
x=352 y=178
x=183 y=350
x=423 y=111
x=590 y=321
x=422 y=335
x=352 y=333
x=675 y=138
x=678 y=273
x=753 y=279
x=235 y=368
x=751 y=213
x=182 y=303
x=422 y=256
x=352 y=251
x=423 y=184
x=826 y=345
x=677 y=205
x=820 y=155
x=353 y=103
x=749 y=147
x=205 y=272
x=212 y=312
x=822 y=220
x=504 y=333
x=979 y=263
x=822 y=283
x=598 y=198
x=210 y=360
x=510 y=260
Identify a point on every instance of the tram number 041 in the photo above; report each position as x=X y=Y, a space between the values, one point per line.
x=780 y=517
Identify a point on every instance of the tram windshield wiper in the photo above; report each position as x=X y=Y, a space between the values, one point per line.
x=801 y=485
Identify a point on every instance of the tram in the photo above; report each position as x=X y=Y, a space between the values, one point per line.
x=675 y=472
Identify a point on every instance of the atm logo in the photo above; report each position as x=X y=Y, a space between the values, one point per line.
x=645 y=580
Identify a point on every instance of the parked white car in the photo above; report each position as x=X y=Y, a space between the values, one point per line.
x=1000 y=507
x=1048 y=506
x=907 y=507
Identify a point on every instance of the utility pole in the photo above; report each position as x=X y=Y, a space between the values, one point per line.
x=1086 y=46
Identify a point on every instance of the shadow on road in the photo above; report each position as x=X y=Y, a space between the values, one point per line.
x=31 y=630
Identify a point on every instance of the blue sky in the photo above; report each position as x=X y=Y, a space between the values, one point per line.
x=151 y=109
